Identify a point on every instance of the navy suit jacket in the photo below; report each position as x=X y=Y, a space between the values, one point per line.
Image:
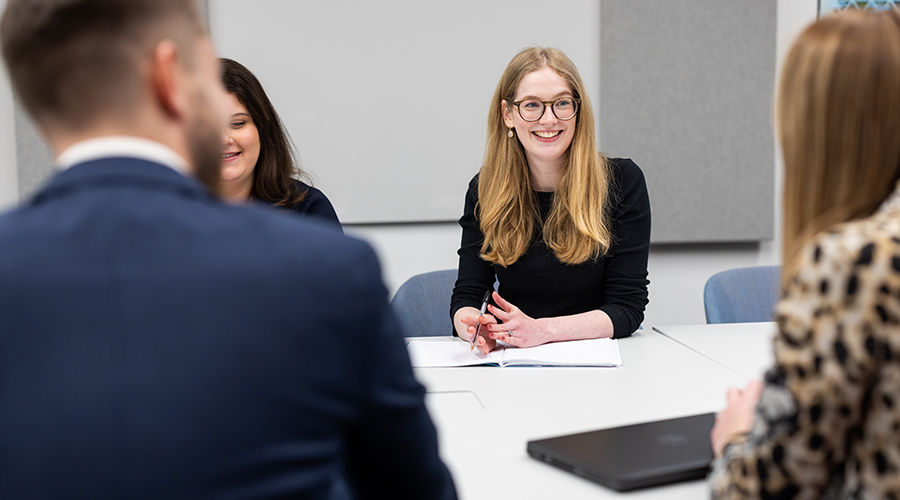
x=156 y=343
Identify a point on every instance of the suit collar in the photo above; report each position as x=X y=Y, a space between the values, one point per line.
x=120 y=172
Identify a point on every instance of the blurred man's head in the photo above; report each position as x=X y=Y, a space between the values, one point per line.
x=118 y=66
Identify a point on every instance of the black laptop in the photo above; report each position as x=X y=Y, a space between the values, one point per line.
x=634 y=456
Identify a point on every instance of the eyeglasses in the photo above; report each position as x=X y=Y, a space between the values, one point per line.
x=531 y=110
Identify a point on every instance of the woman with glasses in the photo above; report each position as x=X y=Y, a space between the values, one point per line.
x=258 y=162
x=563 y=229
x=826 y=422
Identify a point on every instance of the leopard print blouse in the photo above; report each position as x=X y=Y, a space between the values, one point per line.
x=828 y=423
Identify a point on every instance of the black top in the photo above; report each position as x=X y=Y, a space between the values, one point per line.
x=542 y=286
x=315 y=204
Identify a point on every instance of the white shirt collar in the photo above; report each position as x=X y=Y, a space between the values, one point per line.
x=122 y=146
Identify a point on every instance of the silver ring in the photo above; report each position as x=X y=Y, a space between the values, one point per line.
x=509 y=332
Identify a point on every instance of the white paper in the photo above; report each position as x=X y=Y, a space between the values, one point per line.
x=426 y=353
x=594 y=352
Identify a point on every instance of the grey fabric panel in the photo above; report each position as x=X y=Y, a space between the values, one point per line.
x=35 y=160
x=203 y=6
x=686 y=91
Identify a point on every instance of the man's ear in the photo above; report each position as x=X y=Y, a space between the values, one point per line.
x=168 y=80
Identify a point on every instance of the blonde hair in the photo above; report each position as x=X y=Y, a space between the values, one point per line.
x=578 y=228
x=838 y=114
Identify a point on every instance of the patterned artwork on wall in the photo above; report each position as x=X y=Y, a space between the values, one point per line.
x=828 y=6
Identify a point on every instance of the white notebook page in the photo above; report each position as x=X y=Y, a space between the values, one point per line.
x=594 y=352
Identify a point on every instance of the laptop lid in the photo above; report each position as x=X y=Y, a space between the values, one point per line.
x=634 y=456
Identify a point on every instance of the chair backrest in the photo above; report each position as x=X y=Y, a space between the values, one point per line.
x=422 y=304
x=742 y=295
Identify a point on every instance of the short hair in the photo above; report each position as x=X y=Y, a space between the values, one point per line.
x=277 y=165
x=70 y=61
x=837 y=110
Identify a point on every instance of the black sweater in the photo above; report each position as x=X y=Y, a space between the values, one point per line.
x=316 y=204
x=542 y=286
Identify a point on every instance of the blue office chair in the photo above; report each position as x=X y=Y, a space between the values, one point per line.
x=422 y=304
x=742 y=295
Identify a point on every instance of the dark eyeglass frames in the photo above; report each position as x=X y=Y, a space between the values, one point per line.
x=531 y=110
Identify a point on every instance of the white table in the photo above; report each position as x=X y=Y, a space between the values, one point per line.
x=485 y=415
x=745 y=348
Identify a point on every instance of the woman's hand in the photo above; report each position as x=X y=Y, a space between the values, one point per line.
x=467 y=320
x=737 y=417
x=518 y=329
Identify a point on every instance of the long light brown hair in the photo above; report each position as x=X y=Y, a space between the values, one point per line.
x=578 y=228
x=838 y=113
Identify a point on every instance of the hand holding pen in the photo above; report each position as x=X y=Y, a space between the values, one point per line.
x=473 y=323
x=484 y=304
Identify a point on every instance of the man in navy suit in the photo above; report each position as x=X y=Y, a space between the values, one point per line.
x=156 y=343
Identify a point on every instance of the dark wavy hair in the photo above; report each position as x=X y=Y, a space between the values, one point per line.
x=277 y=166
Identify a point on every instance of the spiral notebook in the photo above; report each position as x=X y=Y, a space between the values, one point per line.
x=594 y=352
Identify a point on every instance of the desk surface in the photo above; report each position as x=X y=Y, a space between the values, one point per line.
x=485 y=415
x=745 y=348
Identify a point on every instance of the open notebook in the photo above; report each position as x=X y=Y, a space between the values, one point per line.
x=595 y=352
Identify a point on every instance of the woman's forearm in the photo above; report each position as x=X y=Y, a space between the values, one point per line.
x=589 y=325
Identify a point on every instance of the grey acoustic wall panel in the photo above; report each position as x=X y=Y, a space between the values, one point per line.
x=35 y=160
x=686 y=91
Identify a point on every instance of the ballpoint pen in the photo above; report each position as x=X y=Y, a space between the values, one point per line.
x=484 y=303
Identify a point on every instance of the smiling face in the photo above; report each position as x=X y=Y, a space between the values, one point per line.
x=241 y=150
x=547 y=140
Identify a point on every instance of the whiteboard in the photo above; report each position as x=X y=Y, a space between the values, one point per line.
x=387 y=101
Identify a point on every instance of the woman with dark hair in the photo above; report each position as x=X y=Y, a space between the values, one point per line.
x=826 y=421
x=258 y=161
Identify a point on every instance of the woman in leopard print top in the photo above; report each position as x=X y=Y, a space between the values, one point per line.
x=827 y=418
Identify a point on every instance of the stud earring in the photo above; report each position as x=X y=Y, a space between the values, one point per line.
x=510 y=133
